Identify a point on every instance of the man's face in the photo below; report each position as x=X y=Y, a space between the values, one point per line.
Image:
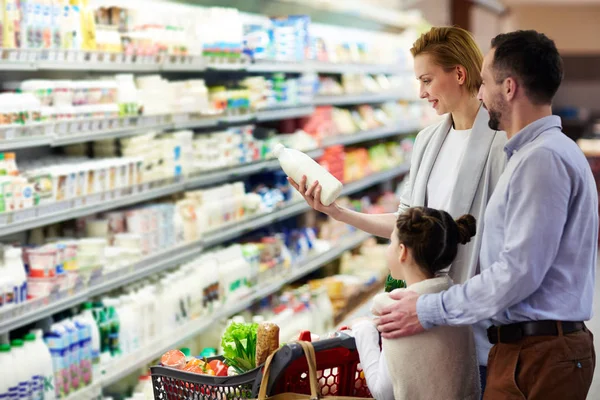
x=490 y=93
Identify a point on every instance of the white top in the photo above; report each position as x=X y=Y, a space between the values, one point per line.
x=445 y=169
x=439 y=363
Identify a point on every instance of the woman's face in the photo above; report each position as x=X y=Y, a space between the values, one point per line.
x=442 y=89
x=393 y=256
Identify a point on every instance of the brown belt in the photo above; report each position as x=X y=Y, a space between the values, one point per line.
x=514 y=332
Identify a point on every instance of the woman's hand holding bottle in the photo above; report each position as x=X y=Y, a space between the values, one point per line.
x=312 y=196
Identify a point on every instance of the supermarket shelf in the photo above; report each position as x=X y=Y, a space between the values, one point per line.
x=364 y=98
x=19 y=221
x=35 y=310
x=374 y=179
x=23 y=220
x=15 y=144
x=130 y=363
x=93 y=391
x=284 y=113
x=228 y=174
x=373 y=134
x=65 y=60
x=236 y=229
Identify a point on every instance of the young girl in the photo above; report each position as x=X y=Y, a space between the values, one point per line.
x=440 y=363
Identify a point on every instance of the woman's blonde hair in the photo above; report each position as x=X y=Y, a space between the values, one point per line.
x=451 y=46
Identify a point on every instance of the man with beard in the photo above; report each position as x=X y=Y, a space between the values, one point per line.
x=540 y=240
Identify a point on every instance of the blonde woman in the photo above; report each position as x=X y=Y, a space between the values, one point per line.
x=455 y=164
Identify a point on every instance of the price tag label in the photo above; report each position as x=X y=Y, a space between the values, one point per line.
x=32 y=56
x=78 y=202
x=94 y=199
x=10 y=133
x=62 y=128
x=3 y=219
x=23 y=56
x=24 y=215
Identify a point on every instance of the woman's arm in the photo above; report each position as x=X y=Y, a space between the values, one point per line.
x=373 y=361
x=376 y=224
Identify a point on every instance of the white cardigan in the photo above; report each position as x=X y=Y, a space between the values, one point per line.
x=438 y=364
x=480 y=168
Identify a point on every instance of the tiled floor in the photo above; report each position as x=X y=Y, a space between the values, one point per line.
x=594 y=326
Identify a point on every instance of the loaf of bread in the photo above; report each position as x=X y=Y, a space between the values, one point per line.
x=267 y=341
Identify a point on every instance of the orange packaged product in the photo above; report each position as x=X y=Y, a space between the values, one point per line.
x=174 y=359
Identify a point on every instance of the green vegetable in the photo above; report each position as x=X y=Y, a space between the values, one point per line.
x=239 y=346
x=393 y=284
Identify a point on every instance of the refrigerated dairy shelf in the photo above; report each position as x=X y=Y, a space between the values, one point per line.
x=22 y=220
x=130 y=363
x=65 y=60
x=68 y=132
x=372 y=134
x=227 y=174
x=34 y=310
x=364 y=98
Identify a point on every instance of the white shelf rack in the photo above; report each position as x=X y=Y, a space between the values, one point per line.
x=65 y=60
x=22 y=220
x=35 y=310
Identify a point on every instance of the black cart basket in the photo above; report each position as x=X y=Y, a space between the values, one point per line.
x=338 y=371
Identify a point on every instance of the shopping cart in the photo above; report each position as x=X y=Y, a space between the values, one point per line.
x=338 y=370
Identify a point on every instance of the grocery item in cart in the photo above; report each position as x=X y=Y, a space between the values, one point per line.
x=297 y=164
x=174 y=359
x=267 y=341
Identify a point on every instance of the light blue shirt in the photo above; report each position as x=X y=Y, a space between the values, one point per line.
x=540 y=239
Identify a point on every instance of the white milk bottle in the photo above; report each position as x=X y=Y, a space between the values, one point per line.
x=37 y=380
x=13 y=263
x=296 y=164
x=9 y=384
x=22 y=368
x=46 y=367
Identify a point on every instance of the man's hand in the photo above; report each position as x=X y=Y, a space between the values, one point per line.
x=312 y=196
x=400 y=319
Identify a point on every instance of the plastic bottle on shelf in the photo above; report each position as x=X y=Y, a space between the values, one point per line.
x=88 y=317
x=13 y=262
x=36 y=383
x=22 y=366
x=296 y=164
x=9 y=384
x=45 y=377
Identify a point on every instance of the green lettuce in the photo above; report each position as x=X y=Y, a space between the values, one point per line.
x=239 y=346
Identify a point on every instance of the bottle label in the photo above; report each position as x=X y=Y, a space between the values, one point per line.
x=37 y=385
x=24 y=390
x=13 y=393
x=49 y=391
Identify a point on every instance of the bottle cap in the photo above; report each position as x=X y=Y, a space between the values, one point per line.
x=278 y=149
x=17 y=343
x=30 y=337
x=4 y=348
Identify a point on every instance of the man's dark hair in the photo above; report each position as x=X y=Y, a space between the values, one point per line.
x=532 y=59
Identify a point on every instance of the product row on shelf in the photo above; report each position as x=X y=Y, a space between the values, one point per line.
x=148 y=32
x=111 y=336
x=128 y=170
x=122 y=237
x=36 y=103
x=72 y=261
